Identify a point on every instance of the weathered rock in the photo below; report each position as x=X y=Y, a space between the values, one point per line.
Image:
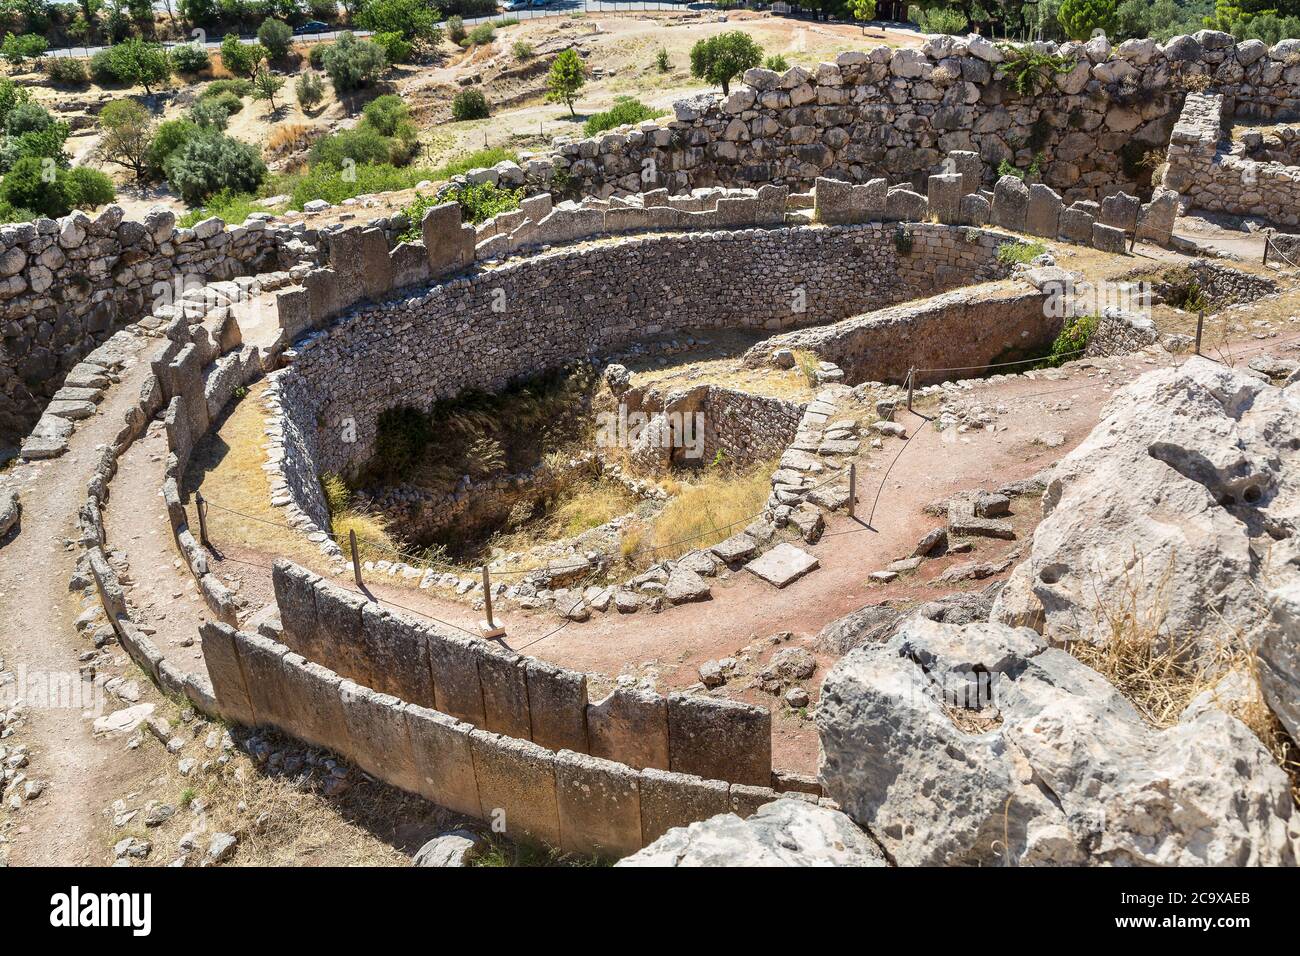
x=455 y=848
x=685 y=585
x=783 y=565
x=785 y=832
x=1049 y=765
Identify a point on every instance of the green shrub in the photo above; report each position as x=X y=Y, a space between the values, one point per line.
x=11 y=94
x=777 y=63
x=170 y=136
x=276 y=38
x=26 y=187
x=19 y=49
x=239 y=87
x=360 y=145
x=190 y=58
x=479 y=159
x=456 y=30
x=481 y=35
x=241 y=59
x=335 y=185
x=469 y=105
x=395 y=46
x=28 y=118
x=316 y=55
x=88 y=188
x=352 y=64
x=385 y=114
x=1020 y=252
x=101 y=68
x=481 y=201
x=209 y=162
x=626 y=109
x=721 y=58
x=942 y=20
x=231 y=207
x=133 y=62
x=1072 y=340
x=67 y=71
x=310 y=90
x=1028 y=71
x=210 y=112
x=522 y=50
x=227 y=102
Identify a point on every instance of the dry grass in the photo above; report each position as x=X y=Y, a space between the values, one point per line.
x=374 y=542
x=703 y=512
x=288 y=138
x=583 y=505
x=227 y=468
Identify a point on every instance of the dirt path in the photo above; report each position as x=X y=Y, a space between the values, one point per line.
x=40 y=642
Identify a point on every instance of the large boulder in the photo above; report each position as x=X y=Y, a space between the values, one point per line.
x=786 y=832
x=978 y=744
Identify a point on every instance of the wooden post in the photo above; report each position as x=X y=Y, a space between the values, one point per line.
x=356 y=559
x=201 y=507
x=1266 y=241
x=1132 y=240
x=488 y=628
x=1200 y=324
x=911 y=384
x=853 y=486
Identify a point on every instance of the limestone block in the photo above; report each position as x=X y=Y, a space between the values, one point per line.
x=1075 y=225
x=719 y=739
x=320 y=286
x=295 y=596
x=630 y=726
x=262 y=661
x=516 y=785
x=409 y=264
x=903 y=205
x=970 y=167
x=504 y=684
x=448 y=244
x=671 y=800
x=1121 y=211
x=377 y=274
x=975 y=210
x=746 y=799
x=381 y=741
x=222 y=661
x=293 y=311
x=312 y=709
x=347 y=263
x=453 y=660
x=341 y=644
x=1044 y=211
x=1156 y=220
x=1109 y=239
x=599 y=804
x=557 y=704
x=440 y=747
x=1010 y=203
x=944 y=196
x=398 y=651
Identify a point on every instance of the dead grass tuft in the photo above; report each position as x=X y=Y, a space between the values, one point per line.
x=288 y=138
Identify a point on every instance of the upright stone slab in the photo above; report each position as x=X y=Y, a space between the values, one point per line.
x=262 y=662
x=557 y=706
x=975 y=210
x=1156 y=220
x=444 y=761
x=719 y=739
x=320 y=285
x=1010 y=203
x=1121 y=211
x=313 y=709
x=347 y=262
x=833 y=201
x=970 y=167
x=1076 y=226
x=376 y=266
x=505 y=692
x=1109 y=239
x=630 y=726
x=676 y=800
x=341 y=644
x=295 y=596
x=944 y=196
x=227 y=677
x=746 y=799
x=453 y=661
x=449 y=244
x=380 y=738
x=409 y=264
x=874 y=195
x=1044 y=212
x=398 y=650
x=599 y=804
x=293 y=309
x=903 y=205
x=516 y=786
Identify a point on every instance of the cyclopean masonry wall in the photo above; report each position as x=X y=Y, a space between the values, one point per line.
x=898 y=114
x=67 y=284
x=1214 y=173
x=566 y=305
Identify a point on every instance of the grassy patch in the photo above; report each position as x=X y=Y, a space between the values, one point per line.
x=232 y=208
x=1012 y=253
x=626 y=110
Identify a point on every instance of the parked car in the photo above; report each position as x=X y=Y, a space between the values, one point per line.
x=518 y=4
x=312 y=26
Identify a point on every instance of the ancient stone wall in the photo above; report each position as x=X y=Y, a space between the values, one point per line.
x=1214 y=173
x=496 y=325
x=899 y=113
x=67 y=284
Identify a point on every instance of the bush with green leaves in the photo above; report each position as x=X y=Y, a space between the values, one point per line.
x=228 y=102
x=267 y=86
x=776 y=63
x=352 y=63
x=1029 y=71
x=456 y=30
x=241 y=59
x=11 y=94
x=522 y=50
x=167 y=138
x=132 y=63
x=32 y=185
x=67 y=71
x=126 y=132
x=310 y=90
x=209 y=162
x=316 y=55
x=626 y=109
x=662 y=63
x=190 y=58
x=720 y=59
x=481 y=201
x=412 y=20
x=212 y=112
x=1080 y=18
x=19 y=49
x=239 y=87
x=944 y=20
x=276 y=38
x=567 y=75
x=1073 y=340
x=323 y=181
x=359 y=146
x=481 y=35
x=469 y=105
x=31 y=131
x=397 y=49
x=385 y=114
x=27 y=117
